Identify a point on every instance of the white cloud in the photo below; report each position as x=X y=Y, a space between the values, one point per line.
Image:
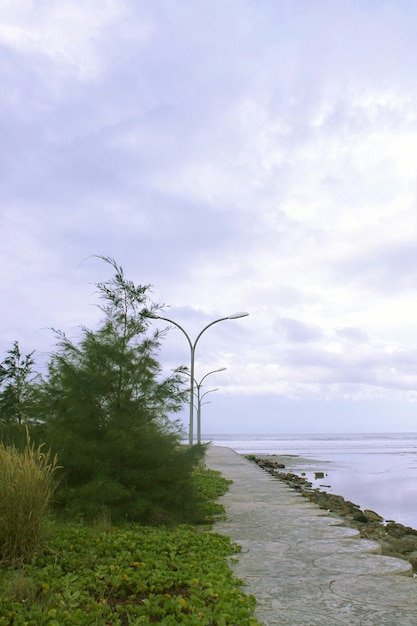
x=64 y=34
x=239 y=156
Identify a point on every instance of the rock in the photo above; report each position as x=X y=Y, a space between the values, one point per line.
x=371 y=516
x=413 y=561
x=395 y=529
x=268 y=464
x=394 y=538
x=318 y=474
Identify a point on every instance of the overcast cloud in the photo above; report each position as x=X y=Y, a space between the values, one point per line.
x=248 y=155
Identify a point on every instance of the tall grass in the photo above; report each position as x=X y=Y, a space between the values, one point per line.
x=26 y=488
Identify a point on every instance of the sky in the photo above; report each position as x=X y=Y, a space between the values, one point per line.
x=249 y=155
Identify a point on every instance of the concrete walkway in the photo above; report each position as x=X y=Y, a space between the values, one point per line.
x=303 y=566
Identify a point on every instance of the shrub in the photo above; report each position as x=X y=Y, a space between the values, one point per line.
x=106 y=408
x=26 y=488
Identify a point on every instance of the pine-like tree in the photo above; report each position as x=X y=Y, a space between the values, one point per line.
x=106 y=409
x=18 y=390
x=17 y=380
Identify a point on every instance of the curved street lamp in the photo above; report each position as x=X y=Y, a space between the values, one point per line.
x=198 y=387
x=192 y=345
x=199 y=410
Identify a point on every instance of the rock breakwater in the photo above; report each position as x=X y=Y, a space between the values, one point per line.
x=395 y=539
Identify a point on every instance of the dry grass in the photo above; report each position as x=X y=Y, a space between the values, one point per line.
x=26 y=488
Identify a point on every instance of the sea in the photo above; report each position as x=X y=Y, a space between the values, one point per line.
x=376 y=471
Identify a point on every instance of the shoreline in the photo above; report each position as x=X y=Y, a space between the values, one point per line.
x=395 y=539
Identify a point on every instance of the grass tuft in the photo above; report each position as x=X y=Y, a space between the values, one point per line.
x=26 y=488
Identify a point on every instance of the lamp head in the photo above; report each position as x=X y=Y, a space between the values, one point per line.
x=235 y=316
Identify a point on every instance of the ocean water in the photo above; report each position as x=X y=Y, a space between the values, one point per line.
x=377 y=471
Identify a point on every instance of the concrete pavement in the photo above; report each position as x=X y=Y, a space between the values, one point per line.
x=305 y=567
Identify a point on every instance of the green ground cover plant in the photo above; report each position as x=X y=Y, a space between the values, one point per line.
x=128 y=575
x=209 y=485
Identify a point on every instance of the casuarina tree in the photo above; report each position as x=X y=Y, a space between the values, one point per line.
x=108 y=410
x=16 y=386
x=18 y=390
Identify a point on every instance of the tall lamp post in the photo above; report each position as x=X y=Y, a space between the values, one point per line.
x=193 y=346
x=198 y=385
x=199 y=410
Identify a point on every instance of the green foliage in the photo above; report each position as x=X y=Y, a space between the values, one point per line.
x=210 y=485
x=17 y=387
x=131 y=575
x=26 y=488
x=106 y=408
